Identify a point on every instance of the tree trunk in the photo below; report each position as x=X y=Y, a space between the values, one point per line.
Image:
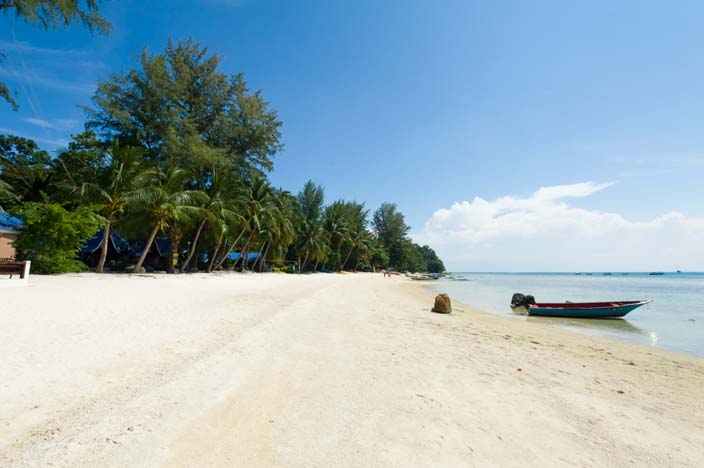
x=244 y=253
x=347 y=257
x=315 y=268
x=263 y=257
x=146 y=249
x=104 y=248
x=229 y=251
x=215 y=253
x=173 y=251
x=339 y=245
x=184 y=267
x=305 y=260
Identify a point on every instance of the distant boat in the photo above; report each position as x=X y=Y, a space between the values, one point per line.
x=522 y=303
x=424 y=277
x=656 y=273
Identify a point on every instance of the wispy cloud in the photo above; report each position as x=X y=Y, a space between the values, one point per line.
x=54 y=124
x=41 y=79
x=26 y=47
x=543 y=232
x=54 y=143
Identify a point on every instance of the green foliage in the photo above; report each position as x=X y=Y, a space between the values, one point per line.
x=174 y=147
x=391 y=230
x=6 y=194
x=52 y=235
x=396 y=250
x=177 y=104
x=52 y=14
x=428 y=259
x=311 y=200
x=25 y=168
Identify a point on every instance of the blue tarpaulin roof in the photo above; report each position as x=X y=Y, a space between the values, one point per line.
x=10 y=223
x=250 y=256
x=118 y=242
x=162 y=245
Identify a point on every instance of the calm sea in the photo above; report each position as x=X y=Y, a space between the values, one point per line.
x=674 y=320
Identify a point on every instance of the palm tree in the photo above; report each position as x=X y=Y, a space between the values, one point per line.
x=220 y=232
x=259 y=202
x=116 y=180
x=365 y=247
x=161 y=200
x=220 y=207
x=353 y=240
x=284 y=221
x=312 y=241
x=337 y=229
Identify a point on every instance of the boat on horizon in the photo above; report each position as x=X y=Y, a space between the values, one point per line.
x=656 y=273
x=613 y=309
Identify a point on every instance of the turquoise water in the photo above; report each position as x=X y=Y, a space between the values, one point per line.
x=674 y=320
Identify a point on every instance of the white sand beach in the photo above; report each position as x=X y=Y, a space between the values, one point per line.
x=276 y=370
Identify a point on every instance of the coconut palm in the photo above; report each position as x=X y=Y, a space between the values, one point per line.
x=109 y=190
x=365 y=247
x=353 y=240
x=220 y=211
x=160 y=201
x=338 y=229
x=313 y=241
x=220 y=229
x=259 y=201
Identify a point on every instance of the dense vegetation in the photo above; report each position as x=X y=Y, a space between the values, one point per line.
x=173 y=148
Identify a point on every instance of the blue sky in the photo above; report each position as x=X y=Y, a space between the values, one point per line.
x=429 y=103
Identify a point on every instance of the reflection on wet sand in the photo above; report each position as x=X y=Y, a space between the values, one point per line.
x=616 y=325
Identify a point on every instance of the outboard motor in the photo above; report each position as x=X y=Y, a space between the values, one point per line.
x=520 y=300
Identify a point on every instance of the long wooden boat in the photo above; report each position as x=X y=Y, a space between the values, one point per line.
x=423 y=277
x=575 y=309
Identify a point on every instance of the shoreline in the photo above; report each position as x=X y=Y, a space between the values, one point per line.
x=558 y=328
x=322 y=370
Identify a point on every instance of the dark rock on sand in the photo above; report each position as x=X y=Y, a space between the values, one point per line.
x=442 y=304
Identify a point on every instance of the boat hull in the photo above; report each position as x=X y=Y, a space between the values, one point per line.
x=606 y=310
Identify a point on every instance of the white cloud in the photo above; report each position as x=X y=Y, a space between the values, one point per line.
x=542 y=232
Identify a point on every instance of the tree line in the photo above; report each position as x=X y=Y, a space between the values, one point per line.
x=174 y=148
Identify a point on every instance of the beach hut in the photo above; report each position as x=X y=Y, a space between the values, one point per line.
x=10 y=227
x=252 y=257
x=118 y=248
x=158 y=256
